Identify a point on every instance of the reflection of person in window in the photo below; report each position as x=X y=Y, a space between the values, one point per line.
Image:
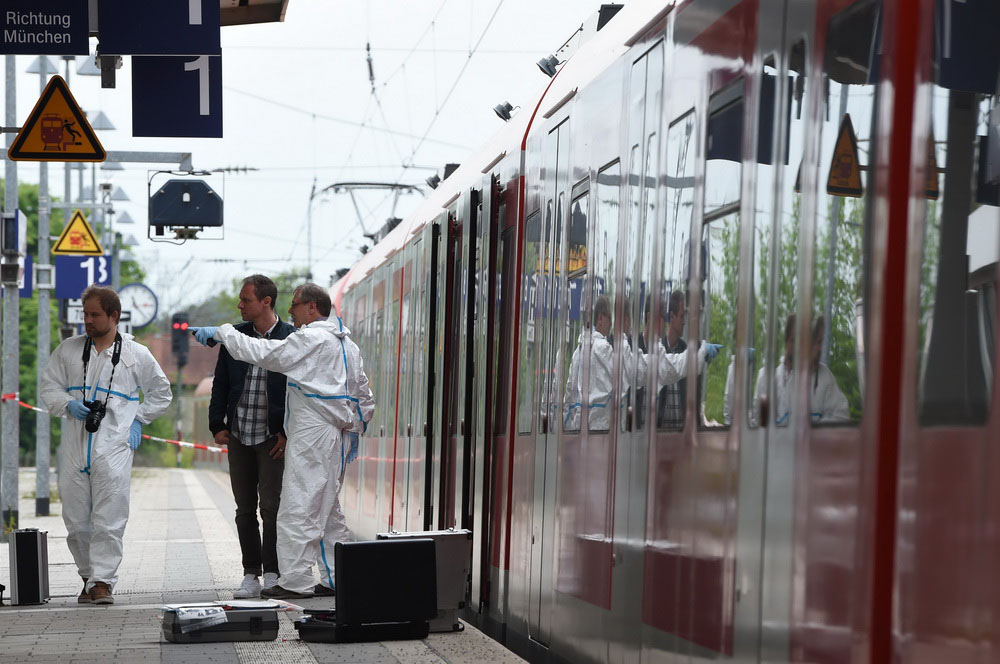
x=826 y=402
x=670 y=402
x=601 y=365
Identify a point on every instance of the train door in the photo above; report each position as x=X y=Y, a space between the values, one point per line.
x=484 y=324
x=633 y=335
x=420 y=384
x=403 y=388
x=369 y=452
x=356 y=319
x=548 y=379
x=441 y=369
x=388 y=370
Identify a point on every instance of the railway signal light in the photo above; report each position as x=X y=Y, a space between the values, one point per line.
x=179 y=337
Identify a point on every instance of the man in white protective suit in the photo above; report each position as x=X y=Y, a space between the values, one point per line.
x=100 y=371
x=328 y=398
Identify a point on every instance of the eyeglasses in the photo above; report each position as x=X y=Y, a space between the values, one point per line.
x=295 y=304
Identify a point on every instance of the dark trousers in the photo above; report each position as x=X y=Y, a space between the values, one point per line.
x=253 y=472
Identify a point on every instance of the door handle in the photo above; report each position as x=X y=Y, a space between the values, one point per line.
x=461 y=427
x=545 y=423
x=765 y=411
x=628 y=419
x=427 y=430
x=409 y=430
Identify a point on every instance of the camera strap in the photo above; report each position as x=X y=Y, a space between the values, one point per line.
x=116 y=355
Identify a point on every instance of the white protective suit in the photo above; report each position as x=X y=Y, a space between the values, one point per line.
x=670 y=369
x=95 y=468
x=327 y=397
x=826 y=402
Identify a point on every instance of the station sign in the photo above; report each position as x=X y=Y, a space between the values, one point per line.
x=75 y=273
x=56 y=130
x=53 y=27
x=177 y=27
x=185 y=202
x=78 y=238
x=177 y=97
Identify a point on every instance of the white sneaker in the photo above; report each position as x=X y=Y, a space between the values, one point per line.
x=249 y=588
x=270 y=579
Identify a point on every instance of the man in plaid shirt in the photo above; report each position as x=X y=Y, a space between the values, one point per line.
x=247 y=413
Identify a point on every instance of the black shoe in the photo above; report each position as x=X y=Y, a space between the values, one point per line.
x=277 y=592
x=322 y=591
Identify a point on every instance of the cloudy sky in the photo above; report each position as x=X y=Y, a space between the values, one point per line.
x=299 y=108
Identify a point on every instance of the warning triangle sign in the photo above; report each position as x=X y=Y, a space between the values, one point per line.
x=78 y=238
x=931 y=186
x=845 y=169
x=56 y=130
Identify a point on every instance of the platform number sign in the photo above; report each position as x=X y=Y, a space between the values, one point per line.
x=75 y=273
x=177 y=96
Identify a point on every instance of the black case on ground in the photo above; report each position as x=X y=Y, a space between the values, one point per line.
x=386 y=590
x=240 y=625
x=29 y=566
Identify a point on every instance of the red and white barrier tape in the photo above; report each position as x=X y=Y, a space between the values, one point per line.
x=12 y=396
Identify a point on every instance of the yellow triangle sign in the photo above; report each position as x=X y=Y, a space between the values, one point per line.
x=78 y=239
x=56 y=130
x=931 y=186
x=845 y=169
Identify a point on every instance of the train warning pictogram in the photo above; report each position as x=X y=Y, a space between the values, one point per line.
x=56 y=130
x=845 y=169
x=78 y=238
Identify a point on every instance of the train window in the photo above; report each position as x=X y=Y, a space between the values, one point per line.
x=504 y=281
x=576 y=270
x=526 y=344
x=721 y=246
x=843 y=217
x=723 y=149
x=961 y=215
x=671 y=397
x=597 y=373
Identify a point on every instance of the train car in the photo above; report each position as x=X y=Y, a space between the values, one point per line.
x=701 y=344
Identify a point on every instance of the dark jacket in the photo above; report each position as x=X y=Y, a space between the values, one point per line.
x=227 y=387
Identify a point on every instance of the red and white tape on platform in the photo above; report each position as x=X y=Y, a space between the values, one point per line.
x=12 y=396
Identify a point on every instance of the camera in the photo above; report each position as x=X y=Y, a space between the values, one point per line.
x=97 y=412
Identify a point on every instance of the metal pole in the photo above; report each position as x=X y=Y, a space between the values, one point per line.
x=42 y=421
x=180 y=414
x=116 y=266
x=831 y=263
x=11 y=337
x=309 y=233
x=64 y=435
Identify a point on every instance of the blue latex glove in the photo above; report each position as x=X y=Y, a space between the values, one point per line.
x=77 y=409
x=711 y=350
x=135 y=434
x=352 y=449
x=203 y=334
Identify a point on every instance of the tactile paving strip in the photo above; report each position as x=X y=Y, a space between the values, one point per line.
x=287 y=648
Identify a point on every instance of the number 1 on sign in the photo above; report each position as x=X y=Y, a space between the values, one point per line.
x=102 y=270
x=201 y=65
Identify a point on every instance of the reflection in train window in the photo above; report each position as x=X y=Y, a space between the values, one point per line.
x=961 y=220
x=597 y=372
x=680 y=165
x=721 y=246
x=721 y=241
x=526 y=344
x=504 y=280
x=843 y=216
x=575 y=273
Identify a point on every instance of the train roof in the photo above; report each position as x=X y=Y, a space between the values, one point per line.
x=593 y=56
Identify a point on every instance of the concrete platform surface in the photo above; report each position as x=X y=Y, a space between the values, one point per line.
x=180 y=546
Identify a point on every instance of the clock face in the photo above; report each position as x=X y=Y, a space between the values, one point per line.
x=141 y=301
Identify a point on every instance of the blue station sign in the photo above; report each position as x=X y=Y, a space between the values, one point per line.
x=144 y=27
x=75 y=273
x=53 y=27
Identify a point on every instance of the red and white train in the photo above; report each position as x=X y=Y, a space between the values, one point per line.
x=815 y=182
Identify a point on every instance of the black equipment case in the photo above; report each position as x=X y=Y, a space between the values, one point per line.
x=386 y=589
x=240 y=625
x=29 y=566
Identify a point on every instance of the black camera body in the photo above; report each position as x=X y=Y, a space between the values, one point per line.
x=97 y=412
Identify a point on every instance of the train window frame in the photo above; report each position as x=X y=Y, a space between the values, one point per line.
x=525 y=409
x=579 y=191
x=672 y=229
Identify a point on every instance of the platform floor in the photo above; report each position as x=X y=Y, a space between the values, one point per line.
x=180 y=545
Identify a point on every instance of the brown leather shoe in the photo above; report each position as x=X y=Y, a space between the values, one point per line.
x=101 y=594
x=84 y=597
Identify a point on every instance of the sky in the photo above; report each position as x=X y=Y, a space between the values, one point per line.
x=298 y=106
